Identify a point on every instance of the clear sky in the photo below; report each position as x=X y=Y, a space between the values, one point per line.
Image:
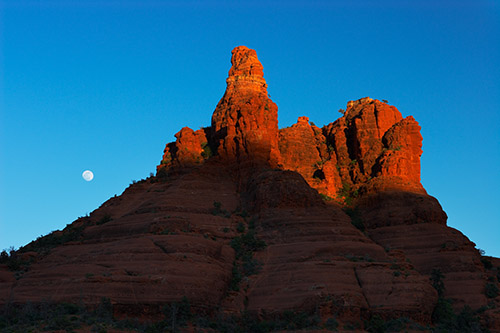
x=104 y=85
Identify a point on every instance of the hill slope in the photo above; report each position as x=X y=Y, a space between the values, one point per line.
x=293 y=228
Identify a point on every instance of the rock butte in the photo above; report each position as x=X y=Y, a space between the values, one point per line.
x=175 y=234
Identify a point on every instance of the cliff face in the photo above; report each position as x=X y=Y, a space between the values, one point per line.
x=244 y=127
x=370 y=148
x=234 y=222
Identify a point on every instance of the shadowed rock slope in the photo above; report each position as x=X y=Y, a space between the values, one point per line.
x=298 y=228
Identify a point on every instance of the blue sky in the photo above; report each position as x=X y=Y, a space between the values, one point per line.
x=104 y=85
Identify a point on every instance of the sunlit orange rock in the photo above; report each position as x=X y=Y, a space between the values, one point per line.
x=245 y=122
x=375 y=148
x=303 y=149
x=190 y=148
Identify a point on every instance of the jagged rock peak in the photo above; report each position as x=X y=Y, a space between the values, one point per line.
x=246 y=72
x=245 y=122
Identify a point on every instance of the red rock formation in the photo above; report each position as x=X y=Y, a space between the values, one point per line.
x=245 y=122
x=375 y=148
x=316 y=257
x=199 y=232
x=303 y=149
x=416 y=224
x=190 y=148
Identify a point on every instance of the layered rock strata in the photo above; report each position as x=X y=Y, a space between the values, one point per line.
x=234 y=222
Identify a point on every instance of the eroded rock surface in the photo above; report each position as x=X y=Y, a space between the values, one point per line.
x=234 y=222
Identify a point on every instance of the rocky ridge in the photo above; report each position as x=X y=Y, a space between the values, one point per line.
x=246 y=218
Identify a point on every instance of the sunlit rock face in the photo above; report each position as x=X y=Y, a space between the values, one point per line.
x=245 y=122
x=244 y=127
x=369 y=149
x=191 y=148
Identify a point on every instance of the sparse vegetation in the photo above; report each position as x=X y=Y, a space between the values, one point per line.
x=247 y=243
x=240 y=227
x=331 y=324
x=375 y=325
x=218 y=211
x=207 y=151
x=244 y=246
x=437 y=281
x=325 y=197
x=366 y=258
x=14 y=261
x=347 y=193
x=319 y=164
x=162 y=174
x=447 y=321
x=486 y=263
x=491 y=290
x=355 y=216
x=44 y=244
x=443 y=315
x=68 y=317
x=395 y=148
x=105 y=219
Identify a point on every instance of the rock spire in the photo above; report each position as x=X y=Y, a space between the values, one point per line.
x=245 y=122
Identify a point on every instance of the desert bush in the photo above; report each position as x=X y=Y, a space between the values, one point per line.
x=240 y=227
x=491 y=290
x=207 y=151
x=331 y=324
x=106 y=218
x=437 y=281
x=375 y=324
x=355 y=216
x=486 y=263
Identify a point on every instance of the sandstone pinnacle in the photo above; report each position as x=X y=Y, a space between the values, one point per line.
x=245 y=122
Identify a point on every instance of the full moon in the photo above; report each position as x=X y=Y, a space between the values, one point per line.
x=88 y=175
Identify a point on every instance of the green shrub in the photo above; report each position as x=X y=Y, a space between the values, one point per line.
x=44 y=244
x=106 y=218
x=236 y=278
x=355 y=216
x=375 y=325
x=486 y=263
x=243 y=214
x=217 y=210
x=240 y=227
x=325 y=197
x=347 y=193
x=207 y=151
x=437 y=281
x=250 y=266
x=245 y=265
x=331 y=324
x=162 y=174
x=491 y=290
x=14 y=261
x=177 y=313
x=443 y=312
x=247 y=243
